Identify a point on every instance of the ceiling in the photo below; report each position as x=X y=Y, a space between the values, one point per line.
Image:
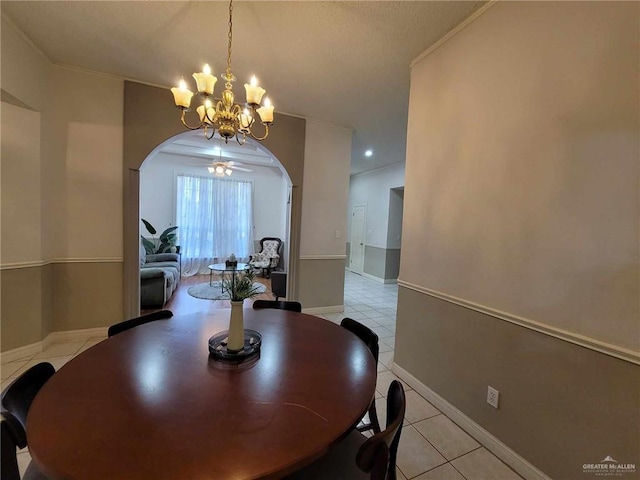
x=343 y=62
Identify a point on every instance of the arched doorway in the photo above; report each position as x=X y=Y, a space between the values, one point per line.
x=150 y=121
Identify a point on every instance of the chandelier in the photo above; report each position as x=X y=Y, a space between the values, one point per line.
x=229 y=119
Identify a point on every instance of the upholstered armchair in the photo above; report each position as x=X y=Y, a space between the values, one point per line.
x=268 y=257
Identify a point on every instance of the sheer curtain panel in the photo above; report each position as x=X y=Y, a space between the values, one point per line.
x=215 y=217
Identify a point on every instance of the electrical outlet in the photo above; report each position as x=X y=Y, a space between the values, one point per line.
x=493 y=397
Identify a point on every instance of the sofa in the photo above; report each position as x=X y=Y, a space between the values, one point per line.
x=159 y=278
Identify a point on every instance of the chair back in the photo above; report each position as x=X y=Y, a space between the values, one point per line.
x=278 y=304
x=270 y=245
x=9 y=433
x=370 y=339
x=18 y=396
x=134 y=322
x=364 y=333
x=377 y=455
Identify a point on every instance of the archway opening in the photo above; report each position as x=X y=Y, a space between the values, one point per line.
x=222 y=199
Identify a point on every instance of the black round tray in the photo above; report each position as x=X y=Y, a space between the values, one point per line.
x=218 y=346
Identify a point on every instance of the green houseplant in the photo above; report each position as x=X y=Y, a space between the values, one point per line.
x=166 y=242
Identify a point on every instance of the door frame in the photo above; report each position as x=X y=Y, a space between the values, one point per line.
x=364 y=236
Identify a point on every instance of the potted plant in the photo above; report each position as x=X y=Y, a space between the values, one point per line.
x=240 y=286
x=166 y=243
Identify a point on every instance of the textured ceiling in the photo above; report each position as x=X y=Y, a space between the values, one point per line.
x=343 y=62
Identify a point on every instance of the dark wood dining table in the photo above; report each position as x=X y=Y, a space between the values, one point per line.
x=150 y=403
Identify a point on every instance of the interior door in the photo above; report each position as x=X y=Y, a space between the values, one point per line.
x=356 y=253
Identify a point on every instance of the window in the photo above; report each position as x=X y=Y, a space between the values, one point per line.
x=215 y=217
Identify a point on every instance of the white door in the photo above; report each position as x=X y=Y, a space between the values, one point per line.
x=356 y=253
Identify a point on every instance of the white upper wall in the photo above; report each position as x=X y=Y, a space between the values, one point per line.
x=158 y=187
x=522 y=167
x=327 y=155
x=373 y=189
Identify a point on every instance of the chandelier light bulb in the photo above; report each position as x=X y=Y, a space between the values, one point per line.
x=206 y=69
x=182 y=95
x=254 y=81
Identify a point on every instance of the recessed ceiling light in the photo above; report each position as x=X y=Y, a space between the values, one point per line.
x=368 y=153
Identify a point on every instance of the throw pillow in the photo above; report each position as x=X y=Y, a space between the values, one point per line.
x=143 y=255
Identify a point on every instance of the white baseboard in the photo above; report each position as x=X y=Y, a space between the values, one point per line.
x=499 y=449
x=329 y=309
x=374 y=278
x=53 y=337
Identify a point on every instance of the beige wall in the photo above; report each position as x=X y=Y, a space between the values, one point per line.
x=326 y=179
x=324 y=214
x=20 y=171
x=24 y=69
x=525 y=167
x=88 y=110
x=61 y=196
x=521 y=201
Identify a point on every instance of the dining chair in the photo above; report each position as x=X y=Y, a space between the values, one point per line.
x=134 y=322
x=18 y=396
x=9 y=437
x=370 y=339
x=279 y=304
x=375 y=457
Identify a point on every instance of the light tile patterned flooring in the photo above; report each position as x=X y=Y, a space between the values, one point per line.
x=432 y=447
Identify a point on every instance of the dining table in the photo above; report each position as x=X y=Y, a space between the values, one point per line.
x=151 y=403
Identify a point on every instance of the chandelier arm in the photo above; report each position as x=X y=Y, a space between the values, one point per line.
x=184 y=122
x=266 y=133
x=244 y=138
x=213 y=132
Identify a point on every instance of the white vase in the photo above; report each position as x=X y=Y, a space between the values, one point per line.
x=236 y=327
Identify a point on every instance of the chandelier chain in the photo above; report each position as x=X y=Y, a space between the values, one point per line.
x=230 y=38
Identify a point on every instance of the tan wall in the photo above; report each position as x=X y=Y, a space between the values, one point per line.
x=522 y=197
x=324 y=201
x=21 y=306
x=321 y=283
x=86 y=295
x=88 y=111
x=561 y=405
x=24 y=69
x=524 y=167
x=324 y=214
x=61 y=196
x=20 y=172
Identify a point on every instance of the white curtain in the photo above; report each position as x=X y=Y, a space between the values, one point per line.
x=215 y=219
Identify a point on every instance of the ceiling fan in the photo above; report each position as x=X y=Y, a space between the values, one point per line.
x=222 y=168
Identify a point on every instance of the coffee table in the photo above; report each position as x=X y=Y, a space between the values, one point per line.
x=150 y=404
x=222 y=268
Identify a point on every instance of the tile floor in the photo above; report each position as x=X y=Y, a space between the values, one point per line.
x=432 y=447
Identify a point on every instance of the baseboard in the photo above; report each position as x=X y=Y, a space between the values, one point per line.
x=377 y=279
x=53 y=337
x=499 y=449
x=329 y=309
